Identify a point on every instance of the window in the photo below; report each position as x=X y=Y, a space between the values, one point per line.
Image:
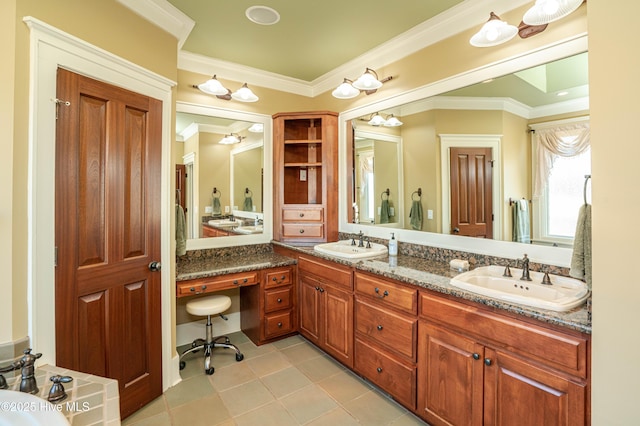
x=560 y=167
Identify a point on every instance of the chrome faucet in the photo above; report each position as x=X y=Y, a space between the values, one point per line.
x=525 y=269
x=361 y=239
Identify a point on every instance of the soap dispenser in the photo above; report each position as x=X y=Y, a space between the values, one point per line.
x=393 y=246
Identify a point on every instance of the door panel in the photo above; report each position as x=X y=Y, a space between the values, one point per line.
x=108 y=146
x=471 y=192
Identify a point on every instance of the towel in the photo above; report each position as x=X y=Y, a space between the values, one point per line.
x=181 y=231
x=581 y=257
x=385 y=211
x=415 y=215
x=248 y=204
x=215 y=206
x=520 y=224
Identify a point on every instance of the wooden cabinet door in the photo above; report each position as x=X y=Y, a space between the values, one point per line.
x=518 y=392
x=309 y=307
x=450 y=377
x=337 y=309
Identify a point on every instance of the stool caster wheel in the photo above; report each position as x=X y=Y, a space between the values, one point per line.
x=182 y=365
x=239 y=357
x=209 y=371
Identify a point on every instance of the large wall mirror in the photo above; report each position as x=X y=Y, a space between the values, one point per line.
x=226 y=162
x=486 y=112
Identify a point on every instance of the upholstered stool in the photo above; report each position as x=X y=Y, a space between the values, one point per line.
x=210 y=305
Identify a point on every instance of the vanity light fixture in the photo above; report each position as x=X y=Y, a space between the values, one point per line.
x=378 y=120
x=368 y=82
x=256 y=128
x=231 y=138
x=215 y=88
x=535 y=20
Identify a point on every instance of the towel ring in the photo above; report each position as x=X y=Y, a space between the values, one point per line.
x=383 y=194
x=584 y=192
x=418 y=193
x=248 y=193
x=215 y=191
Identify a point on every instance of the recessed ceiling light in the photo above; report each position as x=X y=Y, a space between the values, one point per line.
x=262 y=15
x=563 y=93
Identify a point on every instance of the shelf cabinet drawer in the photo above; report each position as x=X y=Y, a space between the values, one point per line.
x=392 y=375
x=302 y=230
x=211 y=284
x=278 y=299
x=387 y=293
x=278 y=323
x=391 y=330
x=278 y=278
x=302 y=214
x=326 y=271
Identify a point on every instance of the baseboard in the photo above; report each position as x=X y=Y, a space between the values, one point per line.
x=188 y=332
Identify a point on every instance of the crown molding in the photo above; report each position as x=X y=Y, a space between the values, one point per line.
x=164 y=15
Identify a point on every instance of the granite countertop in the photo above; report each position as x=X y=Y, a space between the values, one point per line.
x=429 y=274
x=204 y=267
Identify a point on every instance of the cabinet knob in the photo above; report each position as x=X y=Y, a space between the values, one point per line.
x=235 y=282
x=204 y=287
x=301 y=214
x=274 y=279
x=379 y=327
x=192 y=289
x=279 y=325
x=245 y=280
x=279 y=300
x=476 y=356
x=302 y=231
x=317 y=288
x=282 y=278
x=379 y=369
x=384 y=294
x=321 y=290
x=487 y=361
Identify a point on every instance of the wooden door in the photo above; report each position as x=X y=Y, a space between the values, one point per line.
x=338 y=324
x=471 y=192
x=108 y=158
x=450 y=377
x=518 y=392
x=309 y=307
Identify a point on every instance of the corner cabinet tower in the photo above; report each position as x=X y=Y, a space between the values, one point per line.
x=305 y=155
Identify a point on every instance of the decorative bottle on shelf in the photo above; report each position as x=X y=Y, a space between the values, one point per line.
x=393 y=246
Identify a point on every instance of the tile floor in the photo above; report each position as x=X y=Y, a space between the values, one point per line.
x=289 y=382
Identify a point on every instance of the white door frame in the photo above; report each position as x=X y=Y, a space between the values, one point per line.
x=51 y=48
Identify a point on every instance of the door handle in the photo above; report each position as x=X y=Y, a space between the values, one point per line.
x=155 y=266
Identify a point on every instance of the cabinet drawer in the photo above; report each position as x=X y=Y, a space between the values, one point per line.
x=302 y=230
x=387 y=293
x=278 y=278
x=396 y=377
x=559 y=350
x=394 y=331
x=327 y=272
x=302 y=214
x=278 y=298
x=277 y=324
x=211 y=284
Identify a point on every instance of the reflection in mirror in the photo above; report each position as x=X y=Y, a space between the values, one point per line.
x=472 y=112
x=225 y=193
x=469 y=150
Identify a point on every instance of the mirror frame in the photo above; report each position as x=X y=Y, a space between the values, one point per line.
x=538 y=253
x=267 y=190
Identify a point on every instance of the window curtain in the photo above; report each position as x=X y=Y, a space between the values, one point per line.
x=561 y=141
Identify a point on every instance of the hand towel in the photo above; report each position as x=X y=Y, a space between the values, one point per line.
x=181 y=231
x=215 y=206
x=385 y=211
x=248 y=204
x=415 y=215
x=520 y=226
x=581 y=256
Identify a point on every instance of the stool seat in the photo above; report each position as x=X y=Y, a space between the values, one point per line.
x=210 y=305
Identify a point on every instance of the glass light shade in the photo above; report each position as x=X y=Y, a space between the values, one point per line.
x=213 y=87
x=244 y=94
x=367 y=81
x=256 y=128
x=345 y=90
x=392 y=122
x=229 y=139
x=546 y=11
x=493 y=32
x=376 y=120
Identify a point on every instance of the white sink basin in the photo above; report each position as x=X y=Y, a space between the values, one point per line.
x=344 y=249
x=562 y=295
x=224 y=222
x=19 y=408
x=257 y=229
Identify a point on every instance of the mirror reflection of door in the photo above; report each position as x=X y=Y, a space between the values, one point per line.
x=471 y=194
